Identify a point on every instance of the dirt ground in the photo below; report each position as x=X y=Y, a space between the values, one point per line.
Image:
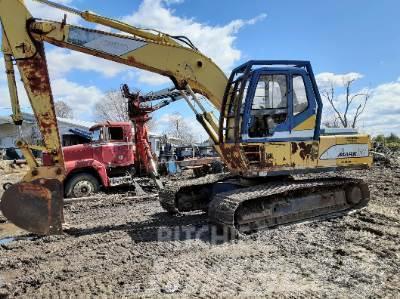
x=131 y=248
x=10 y=172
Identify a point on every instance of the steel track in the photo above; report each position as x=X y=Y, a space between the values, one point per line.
x=268 y=204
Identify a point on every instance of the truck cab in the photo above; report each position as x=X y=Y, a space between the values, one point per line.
x=108 y=160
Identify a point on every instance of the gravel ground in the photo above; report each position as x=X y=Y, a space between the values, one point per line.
x=131 y=248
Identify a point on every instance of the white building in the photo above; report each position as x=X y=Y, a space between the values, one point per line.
x=9 y=133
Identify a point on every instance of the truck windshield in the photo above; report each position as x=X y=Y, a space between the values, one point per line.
x=97 y=135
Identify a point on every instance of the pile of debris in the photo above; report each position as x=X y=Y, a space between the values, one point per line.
x=385 y=156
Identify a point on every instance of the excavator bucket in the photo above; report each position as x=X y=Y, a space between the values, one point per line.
x=36 y=206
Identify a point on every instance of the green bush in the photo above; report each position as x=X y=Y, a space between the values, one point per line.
x=393 y=138
x=392 y=141
x=380 y=139
x=394 y=146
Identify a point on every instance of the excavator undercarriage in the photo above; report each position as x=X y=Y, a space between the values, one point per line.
x=253 y=205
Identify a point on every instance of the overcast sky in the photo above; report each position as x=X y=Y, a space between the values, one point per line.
x=343 y=39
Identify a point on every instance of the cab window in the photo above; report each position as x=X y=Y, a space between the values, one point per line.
x=98 y=135
x=300 y=102
x=271 y=92
x=270 y=105
x=116 y=133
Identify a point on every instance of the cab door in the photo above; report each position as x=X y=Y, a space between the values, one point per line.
x=267 y=109
x=267 y=114
x=280 y=113
x=304 y=149
x=119 y=149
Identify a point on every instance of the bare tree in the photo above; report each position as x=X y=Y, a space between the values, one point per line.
x=63 y=110
x=330 y=120
x=32 y=135
x=152 y=124
x=114 y=107
x=345 y=115
x=177 y=127
x=331 y=123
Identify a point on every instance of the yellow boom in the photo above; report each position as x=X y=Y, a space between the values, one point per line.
x=23 y=38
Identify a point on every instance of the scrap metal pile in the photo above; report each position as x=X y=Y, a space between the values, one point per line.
x=384 y=155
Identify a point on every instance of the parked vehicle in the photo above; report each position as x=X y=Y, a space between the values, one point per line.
x=109 y=159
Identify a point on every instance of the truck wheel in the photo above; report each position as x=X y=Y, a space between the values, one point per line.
x=81 y=185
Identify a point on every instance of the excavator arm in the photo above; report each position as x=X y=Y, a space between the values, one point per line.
x=36 y=203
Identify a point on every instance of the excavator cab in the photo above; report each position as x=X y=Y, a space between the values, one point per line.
x=270 y=108
x=270 y=102
x=270 y=124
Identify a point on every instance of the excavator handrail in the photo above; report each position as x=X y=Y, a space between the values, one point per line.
x=251 y=63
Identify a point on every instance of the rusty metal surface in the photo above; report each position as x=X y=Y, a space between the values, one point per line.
x=35 y=69
x=35 y=206
x=34 y=73
x=267 y=159
x=197 y=161
x=233 y=158
x=304 y=150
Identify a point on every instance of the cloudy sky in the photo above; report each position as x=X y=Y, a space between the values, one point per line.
x=343 y=39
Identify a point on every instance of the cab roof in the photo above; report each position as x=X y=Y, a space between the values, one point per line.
x=110 y=124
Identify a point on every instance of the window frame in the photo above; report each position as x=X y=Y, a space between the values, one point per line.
x=286 y=128
x=113 y=128
x=250 y=98
x=293 y=93
x=101 y=131
x=272 y=98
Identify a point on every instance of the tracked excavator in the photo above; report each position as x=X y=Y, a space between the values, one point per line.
x=268 y=127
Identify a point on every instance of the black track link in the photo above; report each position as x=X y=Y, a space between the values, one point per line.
x=167 y=196
x=223 y=208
